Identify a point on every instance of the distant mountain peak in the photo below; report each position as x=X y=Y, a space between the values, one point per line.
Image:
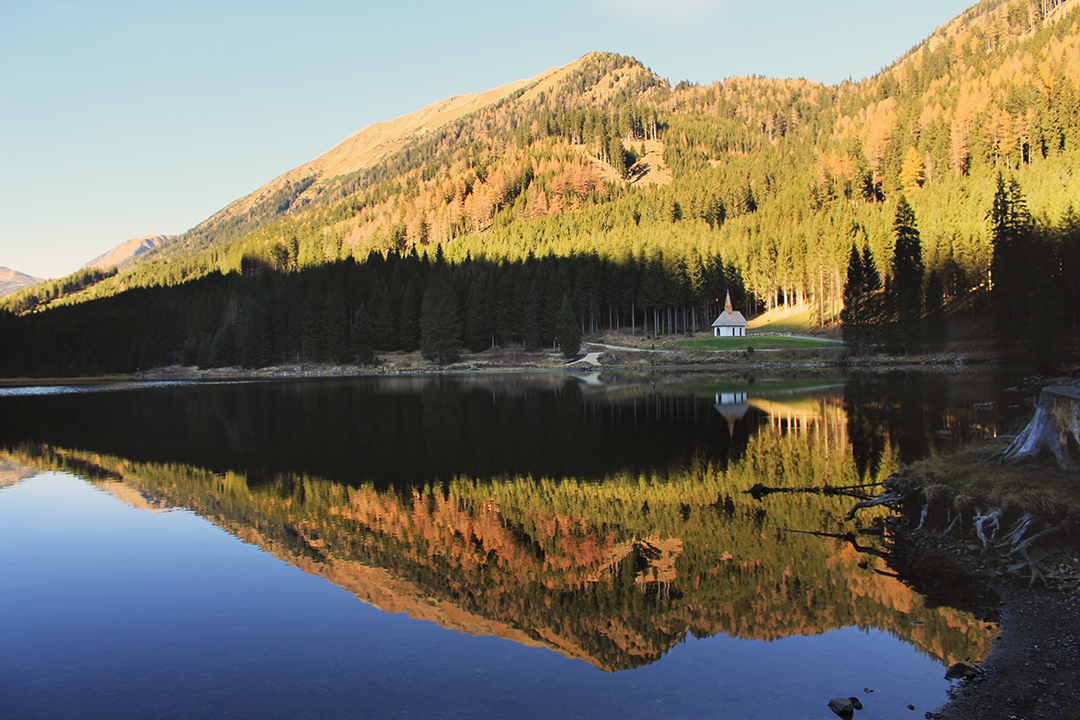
x=127 y=251
x=13 y=281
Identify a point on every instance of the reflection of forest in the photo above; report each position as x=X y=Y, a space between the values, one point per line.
x=613 y=570
x=606 y=521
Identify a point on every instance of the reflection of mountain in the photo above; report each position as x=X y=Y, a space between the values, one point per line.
x=606 y=523
x=12 y=473
x=613 y=572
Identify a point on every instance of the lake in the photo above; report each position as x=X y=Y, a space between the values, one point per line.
x=475 y=546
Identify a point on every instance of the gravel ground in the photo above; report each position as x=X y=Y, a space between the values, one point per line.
x=1034 y=669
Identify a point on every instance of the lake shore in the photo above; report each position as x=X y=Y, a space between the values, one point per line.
x=1033 y=669
x=1014 y=530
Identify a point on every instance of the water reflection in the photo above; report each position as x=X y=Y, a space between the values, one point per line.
x=605 y=520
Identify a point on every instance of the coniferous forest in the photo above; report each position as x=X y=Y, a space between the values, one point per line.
x=937 y=194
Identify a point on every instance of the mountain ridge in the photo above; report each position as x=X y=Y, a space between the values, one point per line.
x=12 y=281
x=128 y=251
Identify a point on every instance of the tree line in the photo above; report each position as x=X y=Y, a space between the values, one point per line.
x=348 y=311
x=1031 y=294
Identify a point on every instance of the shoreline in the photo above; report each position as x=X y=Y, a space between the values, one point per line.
x=607 y=357
x=1033 y=670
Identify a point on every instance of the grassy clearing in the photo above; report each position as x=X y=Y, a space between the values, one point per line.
x=757 y=342
x=786 y=320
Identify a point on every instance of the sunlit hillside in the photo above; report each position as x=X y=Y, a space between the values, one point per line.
x=755 y=185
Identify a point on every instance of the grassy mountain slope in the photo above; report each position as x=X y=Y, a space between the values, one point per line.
x=771 y=180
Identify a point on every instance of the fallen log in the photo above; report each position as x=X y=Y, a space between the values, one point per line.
x=1054 y=431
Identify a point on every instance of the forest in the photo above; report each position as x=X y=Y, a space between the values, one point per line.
x=638 y=204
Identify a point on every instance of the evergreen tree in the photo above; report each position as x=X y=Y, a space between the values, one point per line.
x=223 y=347
x=907 y=278
x=860 y=319
x=852 y=320
x=362 y=342
x=252 y=334
x=312 y=333
x=568 y=333
x=336 y=323
x=409 y=325
x=936 y=327
x=383 y=317
x=617 y=155
x=533 y=319
x=1011 y=235
x=478 y=324
x=440 y=323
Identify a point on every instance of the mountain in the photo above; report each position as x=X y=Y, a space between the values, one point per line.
x=13 y=280
x=127 y=251
x=643 y=204
x=385 y=149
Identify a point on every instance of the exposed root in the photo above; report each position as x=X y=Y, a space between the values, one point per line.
x=1022 y=547
x=951 y=525
x=889 y=498
x=981 y=520
x=1021 y=527
x=922 y=517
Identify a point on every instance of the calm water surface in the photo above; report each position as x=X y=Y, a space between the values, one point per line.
x=533 y=547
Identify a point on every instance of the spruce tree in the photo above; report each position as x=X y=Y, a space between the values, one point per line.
x=362 y=342
x=1011 y=237
x=936 y=329
x=907 y=278
x=852 y=322
x=568 y=332
x=478 y=316
x=860 y=319
x=440 y=324
x=336 y=323
x=409 y=325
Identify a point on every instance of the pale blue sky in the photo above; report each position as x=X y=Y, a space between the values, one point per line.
x=119 y=119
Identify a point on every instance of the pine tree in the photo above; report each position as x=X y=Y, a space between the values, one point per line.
x=440 y=324
x=907 y=278
x=568 y=332
x=362 y=342
x=860 y=320
x=1011 y=236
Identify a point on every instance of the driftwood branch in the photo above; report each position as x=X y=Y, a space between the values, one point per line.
x=758 y=491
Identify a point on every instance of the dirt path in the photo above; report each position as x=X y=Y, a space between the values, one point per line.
x=591 y=359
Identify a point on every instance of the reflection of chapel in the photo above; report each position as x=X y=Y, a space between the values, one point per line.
x=731 y=323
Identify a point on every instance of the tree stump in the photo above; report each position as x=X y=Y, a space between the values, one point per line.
x=1055 y=431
